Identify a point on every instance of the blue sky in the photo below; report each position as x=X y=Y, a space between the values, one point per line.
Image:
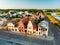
x=29 y=4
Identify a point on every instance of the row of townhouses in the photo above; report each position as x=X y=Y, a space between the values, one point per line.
x=28 y=26
x=42 y=28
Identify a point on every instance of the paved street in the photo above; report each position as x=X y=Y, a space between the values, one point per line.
x=9 y=36
x=56 y=34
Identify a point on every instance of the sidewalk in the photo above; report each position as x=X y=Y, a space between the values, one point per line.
x=25 y=39
x=18 y=41
x=49 y=37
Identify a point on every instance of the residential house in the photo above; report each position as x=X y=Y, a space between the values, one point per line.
x=3 y=21
x=35 y=27
x=19 y=14
x=34 y=24
x=24 y=15
x=11 y=27
x=25 y=21
x=21 y=27
x=30 y=28
x=12 y=13
x=43 y=28
x=26 y=12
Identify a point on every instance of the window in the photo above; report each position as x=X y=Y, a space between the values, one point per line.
x=39 y=29
x=12 y=29
x=30 y=27
x=39 y=32
x=15 y=29
x=22 y=30
x=22 y=27
x=9 y=29
x=45 y=29
x=25 y=30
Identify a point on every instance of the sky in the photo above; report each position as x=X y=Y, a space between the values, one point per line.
x=29 y=4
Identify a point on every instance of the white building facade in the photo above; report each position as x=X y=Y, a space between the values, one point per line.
x=12 y=28
x=43 y=28
x=30 y=28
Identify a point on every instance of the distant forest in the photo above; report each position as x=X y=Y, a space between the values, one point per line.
x=29 y=10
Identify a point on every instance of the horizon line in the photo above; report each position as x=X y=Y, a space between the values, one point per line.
x=29 y=8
